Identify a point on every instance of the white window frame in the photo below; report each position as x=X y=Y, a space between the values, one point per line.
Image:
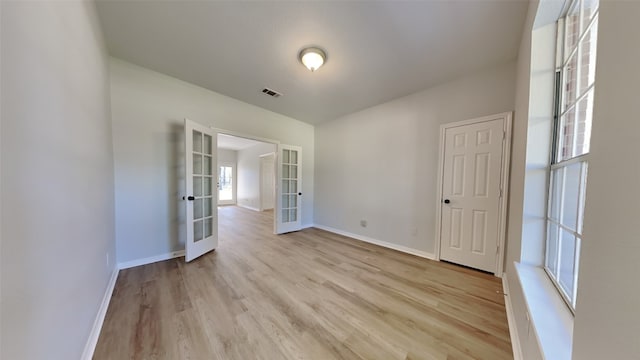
x=560 y=110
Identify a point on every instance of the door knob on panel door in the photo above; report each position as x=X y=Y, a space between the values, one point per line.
x=446 y=201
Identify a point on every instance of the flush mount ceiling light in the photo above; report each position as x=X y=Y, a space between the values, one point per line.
x=312 y=58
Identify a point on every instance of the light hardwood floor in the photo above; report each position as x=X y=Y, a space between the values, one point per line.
x=304 y=295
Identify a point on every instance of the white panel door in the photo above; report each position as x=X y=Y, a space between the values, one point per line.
x=202 y=195
x=289 y=189
x=471 y=192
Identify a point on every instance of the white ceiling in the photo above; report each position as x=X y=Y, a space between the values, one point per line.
x=235 y=143
x=377 y=51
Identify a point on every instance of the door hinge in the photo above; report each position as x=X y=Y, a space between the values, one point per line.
x=504 y=135
x=500 y=192
x=498 y=249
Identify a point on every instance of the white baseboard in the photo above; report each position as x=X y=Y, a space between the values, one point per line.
x=513 y=331
x=248 y=207
x=150 y=260
x=388 y=245
x=90 y=346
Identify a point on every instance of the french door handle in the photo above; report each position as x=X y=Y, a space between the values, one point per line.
x=300 y=194
x=190 y=198
x=446 y=201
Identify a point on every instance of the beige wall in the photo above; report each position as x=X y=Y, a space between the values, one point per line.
x=148 y=140
x=58 y=249
x=380 y=164
x=607 y=322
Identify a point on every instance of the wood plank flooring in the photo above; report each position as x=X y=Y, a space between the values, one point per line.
x=304 y=295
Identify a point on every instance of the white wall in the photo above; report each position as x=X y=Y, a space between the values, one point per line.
x=227 y=155
x=249 y=174
x=381 y=164
x=57 y=178
x=607 y=322
x=148 y=111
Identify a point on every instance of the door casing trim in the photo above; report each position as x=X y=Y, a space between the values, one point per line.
x=504 y=183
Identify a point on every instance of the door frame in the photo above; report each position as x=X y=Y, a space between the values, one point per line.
x=504 y=182
x=256 y=138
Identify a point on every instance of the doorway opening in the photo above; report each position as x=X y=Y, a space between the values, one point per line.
x=246 y=176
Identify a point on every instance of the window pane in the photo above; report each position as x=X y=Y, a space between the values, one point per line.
x=557 y=178
x=566 y=135
x=551 y=260
x=570 y=92
x=585 y=167
x=567 y=261
x=285 y=156
x=583 y=120
x=570 y=195
x=589 y=8
x=572 y=27
x=197 y=230
x=588 y=58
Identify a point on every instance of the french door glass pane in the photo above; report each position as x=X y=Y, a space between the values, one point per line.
x=293 y=214
x=294 y=157
x=570 y=195
x=207 y=144
x=285 y=156
x=207 y=206
x=197 y=141
x=207 y=186
x=293 y=173
x=197 y=186
x=294 y=186
x=567 y=262
x=207 y=165
x=285 y=186
x=285 y=171
x=197 y=230
x=197 y=209
x=197 y=164
x=208 y=227
x=285 y=215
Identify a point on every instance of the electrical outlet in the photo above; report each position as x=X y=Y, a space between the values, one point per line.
x=363 y=223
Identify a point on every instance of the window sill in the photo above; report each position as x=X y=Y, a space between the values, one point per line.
x=548 y=314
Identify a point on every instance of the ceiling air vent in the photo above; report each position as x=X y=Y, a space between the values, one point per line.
x=270 y=92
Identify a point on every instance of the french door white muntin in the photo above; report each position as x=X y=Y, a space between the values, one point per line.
x=289 y=189
x=201 y=190
x=472 y=192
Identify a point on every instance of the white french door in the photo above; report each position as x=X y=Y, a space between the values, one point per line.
x=201 y=177
x=289 y=189
x=472 y=170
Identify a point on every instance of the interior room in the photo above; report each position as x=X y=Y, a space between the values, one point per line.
x=319 y=180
